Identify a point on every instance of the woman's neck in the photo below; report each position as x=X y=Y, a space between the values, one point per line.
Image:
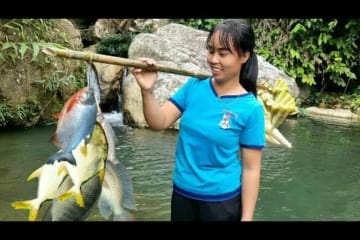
x=228 y=88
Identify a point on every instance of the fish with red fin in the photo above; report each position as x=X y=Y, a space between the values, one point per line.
x=76 y=122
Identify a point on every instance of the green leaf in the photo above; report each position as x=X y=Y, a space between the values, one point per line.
x=5 y=46
x=23 y=48
x=308 y=79
x=36 y=50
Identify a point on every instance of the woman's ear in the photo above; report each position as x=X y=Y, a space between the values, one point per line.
x=245 y=57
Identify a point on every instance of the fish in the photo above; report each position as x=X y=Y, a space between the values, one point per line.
x=90 y=160
x=110 y=138
x=69 y=209
x=113 y=194
x=116 y=197
x=93 y=82
x=50 y=178
x=75 y=123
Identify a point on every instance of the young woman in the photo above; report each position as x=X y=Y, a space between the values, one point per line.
x=222 y=129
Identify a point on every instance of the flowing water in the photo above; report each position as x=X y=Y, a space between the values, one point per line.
x=318 y=179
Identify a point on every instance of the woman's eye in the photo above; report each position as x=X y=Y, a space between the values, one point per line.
x=223 y=53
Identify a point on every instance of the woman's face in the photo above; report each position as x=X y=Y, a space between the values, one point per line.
x=225 y=63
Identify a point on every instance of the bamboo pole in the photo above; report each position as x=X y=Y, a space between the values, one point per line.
x=89 y=56
x=94 y=57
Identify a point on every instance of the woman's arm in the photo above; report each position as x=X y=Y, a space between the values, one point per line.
x=158 y=117
x=251 y=163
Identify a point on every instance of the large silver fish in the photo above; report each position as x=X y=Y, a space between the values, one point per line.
x=110 y=138
x=116 y=198
x=117 y=192
x=76 y=121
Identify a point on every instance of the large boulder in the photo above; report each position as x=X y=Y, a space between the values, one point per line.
x=180 y=46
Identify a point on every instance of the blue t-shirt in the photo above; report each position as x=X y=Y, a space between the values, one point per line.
x=211 y=132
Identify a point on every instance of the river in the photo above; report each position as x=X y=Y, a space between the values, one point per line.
x=316 y=180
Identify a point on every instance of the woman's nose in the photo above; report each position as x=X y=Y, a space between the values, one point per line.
x=212 y=58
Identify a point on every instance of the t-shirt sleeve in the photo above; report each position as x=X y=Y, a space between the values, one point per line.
x=179 y=97
x=253 y=136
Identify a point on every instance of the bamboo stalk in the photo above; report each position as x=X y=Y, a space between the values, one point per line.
x=94 y=57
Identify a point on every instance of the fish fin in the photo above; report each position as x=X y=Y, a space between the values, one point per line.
x=88 y=137
x=66 y=195
x=35 y=174
x=83 y=149
x=77 y=194
x=99 y=111
x=56 y=115
x=55 y=139
x=62 y=156
x=124 y=216
x=71 y=161
x=28 y=204
x=62 y=170
x=22 y=204
x=79 y=199
x=104 y=208
x=128 y=200
x=102 y=175
x=33 y=214
x=67 y=157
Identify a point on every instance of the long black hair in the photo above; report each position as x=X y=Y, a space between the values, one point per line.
x=242 y=36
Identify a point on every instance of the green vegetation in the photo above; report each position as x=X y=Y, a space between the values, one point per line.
x=20 y=42
x=202 y=24
x=21 y=36
x=115 y=45
x=320 y=53
x=118 y=44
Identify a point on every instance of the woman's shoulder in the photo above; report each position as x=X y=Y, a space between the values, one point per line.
x=253 y=100
x=194 y=81
x=198 y=80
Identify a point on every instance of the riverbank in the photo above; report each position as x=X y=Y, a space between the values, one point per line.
x=334 y=115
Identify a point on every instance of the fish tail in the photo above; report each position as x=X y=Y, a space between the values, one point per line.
x=124 y=216
x=104 y=204
x=28 y=204
x=62 y=156
x=70 y=160
x=55 y=157
x=33 y=214
x=22 y=204
x=128 y=200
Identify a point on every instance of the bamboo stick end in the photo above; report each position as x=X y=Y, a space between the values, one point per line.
x=48 y=51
